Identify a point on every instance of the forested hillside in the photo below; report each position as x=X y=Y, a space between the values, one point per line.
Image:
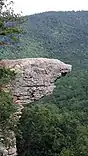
x=63 y=117
x=62 y=35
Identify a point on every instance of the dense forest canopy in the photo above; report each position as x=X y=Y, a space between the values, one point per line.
x=61 y=35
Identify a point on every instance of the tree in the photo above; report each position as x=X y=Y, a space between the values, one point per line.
x=41 y=134
x=45 y=130
x=6 y=75
x=7 y=107
x=9 y=21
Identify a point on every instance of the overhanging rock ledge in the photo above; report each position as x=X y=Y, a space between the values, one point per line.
x=35 y=77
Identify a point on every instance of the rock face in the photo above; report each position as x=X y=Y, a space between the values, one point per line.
x=10 y=148
x=35 y=77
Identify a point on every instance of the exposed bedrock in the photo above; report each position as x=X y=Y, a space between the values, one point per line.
x=35 y=77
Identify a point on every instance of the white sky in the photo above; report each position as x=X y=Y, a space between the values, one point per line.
x=36 y=6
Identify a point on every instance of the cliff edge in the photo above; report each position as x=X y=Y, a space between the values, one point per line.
x=34 y=77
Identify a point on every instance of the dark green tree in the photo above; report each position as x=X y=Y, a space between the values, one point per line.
x=45 y=130
x=41 y=134
x=9 y=21
x=7 y=106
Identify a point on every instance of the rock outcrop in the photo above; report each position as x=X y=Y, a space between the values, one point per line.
x=34 y=79
x=8 y=149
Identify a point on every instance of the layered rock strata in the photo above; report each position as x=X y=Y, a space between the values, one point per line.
x=34 y=77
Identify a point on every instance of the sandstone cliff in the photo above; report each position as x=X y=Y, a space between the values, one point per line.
x=35 y=77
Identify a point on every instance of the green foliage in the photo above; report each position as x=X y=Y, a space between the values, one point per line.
x=1 y=24
x=8 y=120
x=6 y=75
x=9 y=24
x=41 y=132
x=7 y=106
x=61 y=35
x=10 y=31
x=45 y=130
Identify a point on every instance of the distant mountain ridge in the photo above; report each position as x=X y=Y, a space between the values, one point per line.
x=62 y=35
